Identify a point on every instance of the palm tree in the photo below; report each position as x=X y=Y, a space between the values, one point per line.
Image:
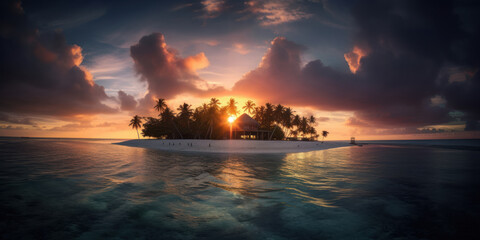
x=296 y=122
x=204 y=107
x=287 y=119
x=268 y=115
x=304 y=126
x=277 y=117
x=231 y=107
x=324 y=134
x=259 y=114
x=185 y=112
x=312 y=132
x=160 y=105
x=215 y=103
x=311 y=123
x=168 y=116
x=212 y=113
x=249 y=107
x=136 y=123
x=278 y=112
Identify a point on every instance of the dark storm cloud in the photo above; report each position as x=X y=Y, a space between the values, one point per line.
x=9 y=127
x=441 y=35
x=404 y=46
x=127 y=102
x=10 y=119
x=382 y=92
x=168 y=74
x=464 y=96
x=41 y=73
x=400 y=51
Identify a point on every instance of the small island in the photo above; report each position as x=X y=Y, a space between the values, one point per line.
x=214 y=128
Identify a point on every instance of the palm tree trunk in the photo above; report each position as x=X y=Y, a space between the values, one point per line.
x=270 y=138
x=284 y=129
x=211 y=129
x=175 y=126
x=289 y=132
x=208 y=129
x=206 y=134
x=138 y=134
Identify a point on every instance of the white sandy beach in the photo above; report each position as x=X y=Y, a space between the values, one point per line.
x=233 y=146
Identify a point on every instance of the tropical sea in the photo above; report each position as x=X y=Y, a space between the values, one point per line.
x=93 y=189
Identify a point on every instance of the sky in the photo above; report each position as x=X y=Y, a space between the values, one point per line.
x=401 y=69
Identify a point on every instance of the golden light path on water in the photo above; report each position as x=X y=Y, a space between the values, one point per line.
x=93 y=189
x=314 y=169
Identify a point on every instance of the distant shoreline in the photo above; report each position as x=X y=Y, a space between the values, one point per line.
x=233 y=146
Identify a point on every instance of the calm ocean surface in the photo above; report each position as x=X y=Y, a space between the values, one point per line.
x=93 y=189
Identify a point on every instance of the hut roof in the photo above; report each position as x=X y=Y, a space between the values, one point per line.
x=246 y=122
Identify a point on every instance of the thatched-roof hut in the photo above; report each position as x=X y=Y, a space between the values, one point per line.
x=245 y=127
x=246 y=123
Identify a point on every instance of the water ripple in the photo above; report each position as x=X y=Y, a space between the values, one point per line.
x=89 y=189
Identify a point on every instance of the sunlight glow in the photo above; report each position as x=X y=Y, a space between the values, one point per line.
x=231 y=119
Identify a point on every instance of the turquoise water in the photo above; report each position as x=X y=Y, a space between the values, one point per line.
x=93 y=189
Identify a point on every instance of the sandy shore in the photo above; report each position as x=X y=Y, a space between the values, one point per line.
x=233 y=146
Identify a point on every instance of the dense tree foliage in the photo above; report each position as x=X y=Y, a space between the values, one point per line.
x=209 y=121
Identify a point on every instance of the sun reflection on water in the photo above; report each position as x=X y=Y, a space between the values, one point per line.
x=318 y=172
x=238 y=177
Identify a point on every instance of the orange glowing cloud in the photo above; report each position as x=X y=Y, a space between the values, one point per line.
x=167 y=73
x=212 y=7
x=44 y=67
x=196 y=62
x=77 y=56
x=276 y=12
x=353 y=58
x=240 y=48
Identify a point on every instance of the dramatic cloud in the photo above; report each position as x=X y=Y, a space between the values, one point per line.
x=407 y=64
x=10 y=119
x=399 y=60
x=41 y=73
x=127 y=102
x=212 y=7
x=276 y=12
x=353 y=58
x=464 y=96
x=9 y=127
x=166 y=73
x=441 y=37
x=355 y=122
